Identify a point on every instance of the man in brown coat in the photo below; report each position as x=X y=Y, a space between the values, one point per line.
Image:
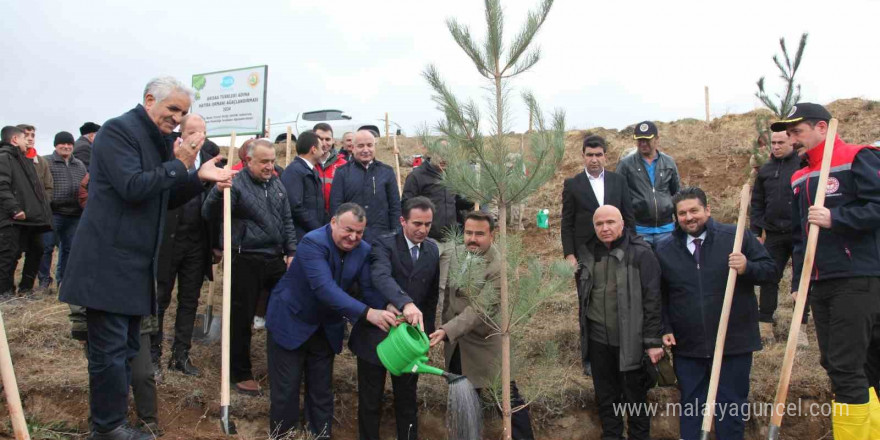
x=472 y=347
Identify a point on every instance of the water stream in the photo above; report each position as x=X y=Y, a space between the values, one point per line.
x=464 y=416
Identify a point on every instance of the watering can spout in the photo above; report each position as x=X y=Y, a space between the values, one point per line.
x=422 y=368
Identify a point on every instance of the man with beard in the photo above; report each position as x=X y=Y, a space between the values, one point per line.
x=306 y=319
x=137 y=175
x=471 y=346
x=371 y=184
x=694 y=262
x=405 y=269
x=845 y=287
x=771 y=214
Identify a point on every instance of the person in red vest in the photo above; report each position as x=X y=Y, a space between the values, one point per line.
x=845 y=288
x=330 y=161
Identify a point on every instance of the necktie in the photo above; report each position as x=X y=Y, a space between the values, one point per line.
x=697 y=246
x=414 y=251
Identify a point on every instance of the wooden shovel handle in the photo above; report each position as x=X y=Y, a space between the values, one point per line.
x=803 y=287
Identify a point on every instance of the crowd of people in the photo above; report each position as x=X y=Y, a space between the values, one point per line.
x=133 y=207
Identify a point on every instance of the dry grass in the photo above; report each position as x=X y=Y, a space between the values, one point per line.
x=51 y=369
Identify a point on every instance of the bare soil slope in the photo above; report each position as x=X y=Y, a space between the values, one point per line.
x=51 y=368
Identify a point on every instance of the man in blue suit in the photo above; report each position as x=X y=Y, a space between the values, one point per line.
x=406 y=270
x=306 y=319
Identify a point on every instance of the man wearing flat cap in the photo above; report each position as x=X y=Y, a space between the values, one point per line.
x=82 y=148
x=652 y=177
x=845 y=288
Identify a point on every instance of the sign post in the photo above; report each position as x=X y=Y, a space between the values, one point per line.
x=232 y=101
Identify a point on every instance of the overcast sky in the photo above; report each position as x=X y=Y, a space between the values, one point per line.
x=605 y=63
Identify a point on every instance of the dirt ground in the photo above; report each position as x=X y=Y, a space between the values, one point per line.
x=51 y=368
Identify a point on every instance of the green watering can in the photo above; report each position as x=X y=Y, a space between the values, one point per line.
x=405 y=350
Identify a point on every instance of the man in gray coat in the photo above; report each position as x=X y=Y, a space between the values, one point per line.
x=137 y=175
x=619 y=304
x=82 y=148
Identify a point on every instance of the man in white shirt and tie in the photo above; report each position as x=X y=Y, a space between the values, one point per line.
x=583 y=193
x=694 y=262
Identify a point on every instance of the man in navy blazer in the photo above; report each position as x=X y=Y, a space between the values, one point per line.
x=306 y=319
x=406 y=270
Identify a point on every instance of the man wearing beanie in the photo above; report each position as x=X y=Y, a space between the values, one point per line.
x=845 y=278
x=67 y=172
x=82 y=148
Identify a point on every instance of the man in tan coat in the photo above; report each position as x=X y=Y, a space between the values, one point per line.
x=472 y=347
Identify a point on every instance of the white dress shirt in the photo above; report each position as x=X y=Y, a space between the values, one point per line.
x=598 y=184
x=690 y=241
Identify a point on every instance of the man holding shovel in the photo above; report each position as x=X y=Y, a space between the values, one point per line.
x=695 y=261
x=845 y=287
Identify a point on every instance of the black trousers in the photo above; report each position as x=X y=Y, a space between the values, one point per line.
x=520 y=421
x=615 y=388
x=188 y=262
x=9 y=253
x=251 y=274
x=779 y=246
x=30 y=242
x=312 y=362
x=114 y=342
x=371 y=388
x=846 y=312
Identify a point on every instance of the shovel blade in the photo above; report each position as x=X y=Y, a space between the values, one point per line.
x=226 y=424
x=208 y=330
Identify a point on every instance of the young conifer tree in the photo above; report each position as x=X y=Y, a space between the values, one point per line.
x=790 y=96
x=792 y=92
x=481 y=168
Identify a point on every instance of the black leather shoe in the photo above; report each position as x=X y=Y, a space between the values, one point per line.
x=181 y=363
x=122 y=432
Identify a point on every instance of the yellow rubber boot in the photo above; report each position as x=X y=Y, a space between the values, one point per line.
x=874 y=408
x=850 y=421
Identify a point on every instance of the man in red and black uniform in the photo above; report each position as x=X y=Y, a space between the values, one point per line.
x=329 y=162
x=845 y=288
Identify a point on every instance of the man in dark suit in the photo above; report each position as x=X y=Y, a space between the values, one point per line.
x=406 y=269
x=304 y=186
x=587 y=191
x=369 y=183
x=306 y=319
x=185 y=255
x=137 y=175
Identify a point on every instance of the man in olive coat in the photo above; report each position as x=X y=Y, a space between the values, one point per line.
x=472 y=347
